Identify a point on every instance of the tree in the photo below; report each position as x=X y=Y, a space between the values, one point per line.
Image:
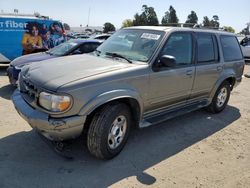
x=206 y=21
x=246 y=30
x=127 y=23
x=147 y=17
x=215 y=22
x=229 y=29
x=170 y=17
x=66 y=26
x=138 y=20
x=108 y=27
x=192 y=18
x=150 y=15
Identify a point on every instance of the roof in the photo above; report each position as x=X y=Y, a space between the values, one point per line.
x=167 y=29
x=86 y=40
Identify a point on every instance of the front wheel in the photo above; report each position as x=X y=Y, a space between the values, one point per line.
x=109 y=130
x=220 y=98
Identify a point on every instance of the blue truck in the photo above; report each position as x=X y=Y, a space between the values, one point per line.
x=25 y=34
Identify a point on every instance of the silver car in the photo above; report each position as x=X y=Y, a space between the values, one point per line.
x=245 y=46
x=140 y=76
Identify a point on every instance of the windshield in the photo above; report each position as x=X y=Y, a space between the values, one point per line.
x=133 y=44
x=62 y=48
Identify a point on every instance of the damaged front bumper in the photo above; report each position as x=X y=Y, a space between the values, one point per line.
x=57 y=129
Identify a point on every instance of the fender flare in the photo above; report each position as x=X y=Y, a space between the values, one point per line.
x=109 y=96
x=218 y=83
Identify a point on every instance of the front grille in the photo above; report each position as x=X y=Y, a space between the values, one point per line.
x=29 y=89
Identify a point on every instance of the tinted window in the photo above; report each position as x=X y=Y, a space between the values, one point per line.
x=88 y=47
x=179 y=45
x=102 y=37
x=231 y=48
x=62 y=48
x=245 y=42
x=205 y=48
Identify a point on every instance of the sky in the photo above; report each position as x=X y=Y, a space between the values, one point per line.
x=75 y=12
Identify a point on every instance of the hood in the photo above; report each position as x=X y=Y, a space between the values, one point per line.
x=26 y=59
x=53 y=73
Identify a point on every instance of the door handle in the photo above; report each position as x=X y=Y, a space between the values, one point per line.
x=219 y=68
x=189 y=73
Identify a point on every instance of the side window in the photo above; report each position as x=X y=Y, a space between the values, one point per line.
x=205 y=48
x=179 y=45
x=93 y=46
x=231 y=48
x=102 y=37
x=88 y=47
x=248 y=42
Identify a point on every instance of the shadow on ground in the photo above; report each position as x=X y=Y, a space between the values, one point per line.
x=5 y=90
x=26 y=161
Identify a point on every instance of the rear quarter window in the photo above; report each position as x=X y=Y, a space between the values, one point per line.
x=230 y=47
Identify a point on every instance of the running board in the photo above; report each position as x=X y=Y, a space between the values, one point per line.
x=169 y=114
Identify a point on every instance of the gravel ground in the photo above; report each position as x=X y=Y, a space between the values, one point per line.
x=198 y=149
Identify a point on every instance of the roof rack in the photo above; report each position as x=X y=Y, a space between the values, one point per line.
x=179 y=24
x=192 y=25
x=35 y=15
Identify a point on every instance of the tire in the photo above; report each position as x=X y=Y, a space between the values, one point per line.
x=105 y=139
x=220 y=98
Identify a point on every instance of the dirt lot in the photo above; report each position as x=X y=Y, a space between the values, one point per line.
x=195 y=150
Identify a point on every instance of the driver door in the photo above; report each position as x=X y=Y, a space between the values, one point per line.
x=170 y=86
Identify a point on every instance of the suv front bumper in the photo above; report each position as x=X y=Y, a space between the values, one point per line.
x=57 y=129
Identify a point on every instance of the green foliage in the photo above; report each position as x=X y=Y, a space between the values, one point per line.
x=206 y=21
x=147 y=17
x=246 y=31
x=108 y=27
x=127 y=23
x=229 y=29
x=170 y=17
x=192 y=18
x=213 y=23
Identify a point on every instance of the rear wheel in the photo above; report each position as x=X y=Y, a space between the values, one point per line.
x=109 y=130
x=220 y=98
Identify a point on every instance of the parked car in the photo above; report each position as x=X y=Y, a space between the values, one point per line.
x=71 y=47
x=101 y=36
x=140 y=76
x=25 y=34
x=245 y=46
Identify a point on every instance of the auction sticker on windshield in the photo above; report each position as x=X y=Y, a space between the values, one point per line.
x=150 y=36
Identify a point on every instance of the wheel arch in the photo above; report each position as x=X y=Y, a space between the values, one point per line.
x=129 y=97
x=231 y=79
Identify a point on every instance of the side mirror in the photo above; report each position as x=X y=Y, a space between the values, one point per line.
x=168 y=61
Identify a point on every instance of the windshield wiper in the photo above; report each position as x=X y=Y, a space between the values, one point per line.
x=118 y=55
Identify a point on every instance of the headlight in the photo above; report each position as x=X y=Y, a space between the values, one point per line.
x=54 y=103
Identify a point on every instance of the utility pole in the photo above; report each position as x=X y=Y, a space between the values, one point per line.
x=88 y=17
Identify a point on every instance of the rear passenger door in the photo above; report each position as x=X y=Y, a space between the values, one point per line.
x=208 y=67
